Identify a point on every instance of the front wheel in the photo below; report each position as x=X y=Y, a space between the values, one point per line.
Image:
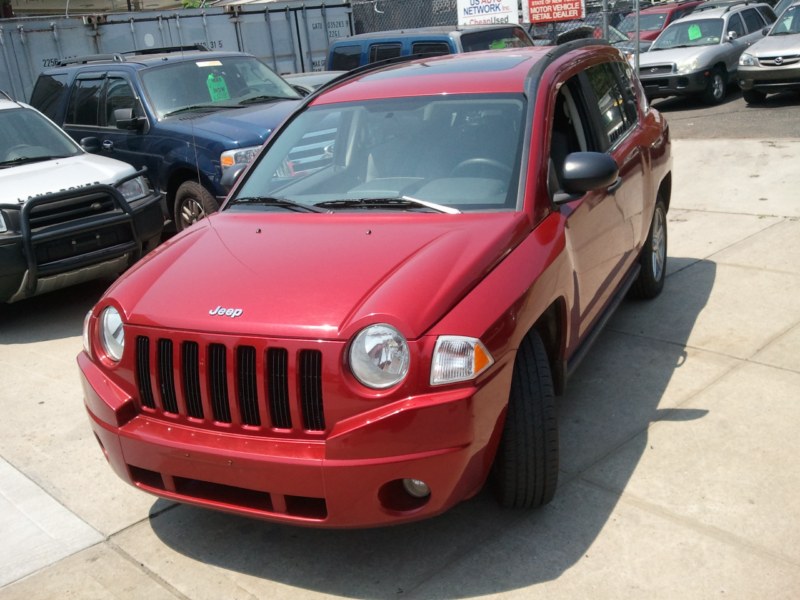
x=653 y=259
x=192 y=203
x=525 y=470
x=716 y=87
x=753 y=96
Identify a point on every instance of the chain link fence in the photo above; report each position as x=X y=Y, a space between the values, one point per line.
x=383 y=15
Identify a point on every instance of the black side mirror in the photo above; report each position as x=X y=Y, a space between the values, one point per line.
x=91 y=145
x=586 y=171
x=301 y=90
x=125 y=119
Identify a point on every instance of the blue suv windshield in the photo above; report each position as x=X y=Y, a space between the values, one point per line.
x=213 y=83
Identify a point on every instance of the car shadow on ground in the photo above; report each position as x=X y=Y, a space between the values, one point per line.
x=477 y=548
x=686 y=103
x=51 y=316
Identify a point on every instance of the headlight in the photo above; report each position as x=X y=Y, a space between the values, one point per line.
x=457 y=358
x=379 y=356
x=686 y=67
x=239 y=156
x=133 y=189
x=748 y=60
x=112 y=333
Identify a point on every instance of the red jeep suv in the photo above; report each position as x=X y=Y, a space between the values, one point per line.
x=378 y=320
x=654 y=19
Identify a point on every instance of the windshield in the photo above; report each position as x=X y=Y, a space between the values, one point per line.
x=214 y=83
x=30 y=137
x=789 y=22
x=651 y=22
x=416 y=154
x=702 y=32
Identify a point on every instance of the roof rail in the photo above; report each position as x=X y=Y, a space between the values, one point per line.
x=82 y=60
x=166 y=50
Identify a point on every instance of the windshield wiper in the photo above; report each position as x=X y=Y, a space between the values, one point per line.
x=22 y=160
x=263 y=98
x=279 y=202
x=400 y=202
x=194 y=107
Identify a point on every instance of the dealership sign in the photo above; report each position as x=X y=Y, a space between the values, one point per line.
x=544 y=11
x=487 y=12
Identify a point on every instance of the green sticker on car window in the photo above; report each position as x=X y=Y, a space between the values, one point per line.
x=694 y=32
x=217 y=88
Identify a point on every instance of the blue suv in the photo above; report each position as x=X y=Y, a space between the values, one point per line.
x=189 y=116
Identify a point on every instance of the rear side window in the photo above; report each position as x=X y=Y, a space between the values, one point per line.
x=383 y=51
x=345 y=58
x=84 y=103
x=430 y=48
x=48 y=94
x=495 y=39
x=616 y=112
x=752 y=20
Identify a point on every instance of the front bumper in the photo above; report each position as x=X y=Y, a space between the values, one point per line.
x=770 y=79
x=61 y=239
x=662 y=85
x=350 y=477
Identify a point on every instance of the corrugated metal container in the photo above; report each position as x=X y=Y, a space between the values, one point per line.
x=291 y=37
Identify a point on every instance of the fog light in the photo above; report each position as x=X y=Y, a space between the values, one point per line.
x=416 y=488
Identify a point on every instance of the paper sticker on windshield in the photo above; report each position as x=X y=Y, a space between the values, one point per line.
x=497 y=45
x=694 y=32
x=217 y=88
x=208 y=63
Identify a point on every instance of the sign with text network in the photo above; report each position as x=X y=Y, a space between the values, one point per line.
x=545 y=11
x=487 y=12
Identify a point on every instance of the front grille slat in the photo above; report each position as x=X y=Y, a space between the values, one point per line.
x=278 y=386
x=166 y=377
x=218 y=381
x=311 y=390
x=231 y=386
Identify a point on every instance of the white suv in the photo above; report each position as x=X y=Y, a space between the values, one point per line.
x=66 y=216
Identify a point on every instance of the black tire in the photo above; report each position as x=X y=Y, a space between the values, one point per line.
x=653 y=257
x=753 y=96
x=525 y=470
x=716 y=87
x=192 y=203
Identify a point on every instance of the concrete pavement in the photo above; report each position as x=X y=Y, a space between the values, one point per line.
x=679 y=440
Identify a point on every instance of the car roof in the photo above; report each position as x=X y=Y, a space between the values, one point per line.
x=145 y=58
x=489 y=71
x=439 y=30
x=668 y=7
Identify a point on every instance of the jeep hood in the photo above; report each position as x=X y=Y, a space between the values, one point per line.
x=18 y=183
x=318 y=276
x=246 y=126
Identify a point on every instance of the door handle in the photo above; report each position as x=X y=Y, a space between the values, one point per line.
x=108 y=145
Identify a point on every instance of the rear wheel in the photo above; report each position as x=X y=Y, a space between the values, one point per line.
x=753 y=96
x=525 y=470
x=653 y=258
x=192 y=203
x=716 y=86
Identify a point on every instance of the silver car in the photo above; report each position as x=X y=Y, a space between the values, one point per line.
x=773 y=64
x=699 y=54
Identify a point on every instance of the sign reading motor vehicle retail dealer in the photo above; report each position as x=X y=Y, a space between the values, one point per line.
x=544 y=11
x=487 y=12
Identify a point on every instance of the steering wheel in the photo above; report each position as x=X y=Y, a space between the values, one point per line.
x=477 y=164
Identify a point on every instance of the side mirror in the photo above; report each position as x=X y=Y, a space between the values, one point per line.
x=230 y=176
x=765 y=31
x=301 y=90
x=125 y=119
x=91 y=145
x=587 y=171
x=732 y=36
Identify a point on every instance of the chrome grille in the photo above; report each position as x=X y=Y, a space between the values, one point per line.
x=240 y=385
x=655 y=70
x=779 y=61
